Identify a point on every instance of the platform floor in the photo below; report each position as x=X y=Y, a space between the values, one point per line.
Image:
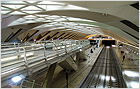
x=75 y=77
x=130 y=70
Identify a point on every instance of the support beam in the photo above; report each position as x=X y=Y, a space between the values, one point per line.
x=77 y=58
x=49 y=76
x=33 y=34
x=64 y=35
x=6 y=20
x=56 y=36
x=44 y=37
x=67 y=36
x=18 y=30
x=82 y=55
x=53 y=35
x=68 y=64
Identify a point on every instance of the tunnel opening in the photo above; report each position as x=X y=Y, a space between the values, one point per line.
x=108 y=42
x=93 y=42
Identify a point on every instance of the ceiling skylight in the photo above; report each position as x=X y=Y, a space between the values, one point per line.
x=50 y=3
x=31 y=8
x=31 y=1
x=12 y=2
x=17 y=13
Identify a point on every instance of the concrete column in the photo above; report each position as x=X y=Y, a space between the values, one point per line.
x=117 y=43
x=83 y=55
x=100 y=43
x=49 y=76
x=68 y=64
x=77 y=58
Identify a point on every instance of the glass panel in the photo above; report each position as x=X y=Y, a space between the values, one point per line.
x=17 y=12
x=54 y=16
x=38 y=26
x=30 y=21
x=15 y=40
x=72 y=18
x=75 y=7
x=68 y=29
x=43 y=6
x=14 y=23
x=49 y=2
x=79 y=26
x=2 y=2
x=10 y=36
x=64 y=16
x=21 y=20
x=60 y=27
x=54 y=7
x=53 y=23
x=5 y=12
x=89 y=25
x=31 y=1
x=30 y=16
x=40 y=19
x=3 y=8
x=14 y=6
x=31 y=8
x=31 y=12
x=62 y=19
x=42 y=15
x=48 y=25
x=58 y=24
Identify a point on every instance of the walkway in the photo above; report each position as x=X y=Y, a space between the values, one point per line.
x=29 y=58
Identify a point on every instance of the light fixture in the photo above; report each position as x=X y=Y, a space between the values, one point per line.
x=107 y=46
x=17 y=78
x=80 y=49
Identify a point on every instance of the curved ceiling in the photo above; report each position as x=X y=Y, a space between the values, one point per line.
x=40 y=20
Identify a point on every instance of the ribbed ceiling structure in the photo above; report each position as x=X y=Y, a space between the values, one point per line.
x=46 y=20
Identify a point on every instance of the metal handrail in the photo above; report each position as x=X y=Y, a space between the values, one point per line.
x=30 y=62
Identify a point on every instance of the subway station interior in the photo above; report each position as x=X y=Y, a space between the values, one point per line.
x=69 y=44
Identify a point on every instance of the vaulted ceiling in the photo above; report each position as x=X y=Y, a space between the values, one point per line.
x=46 y=20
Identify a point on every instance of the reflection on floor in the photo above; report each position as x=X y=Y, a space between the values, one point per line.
x=130 y=70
